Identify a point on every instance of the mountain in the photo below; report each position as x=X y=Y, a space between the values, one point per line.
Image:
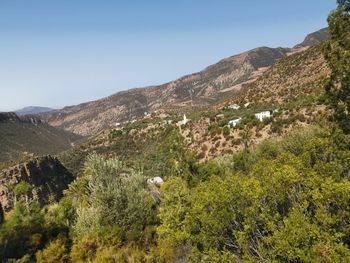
x=28 y=134
x=315 y=38
x=222 y=80
x=292 y=87
x=31 y=110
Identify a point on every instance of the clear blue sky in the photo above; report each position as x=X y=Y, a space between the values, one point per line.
x=62 y=52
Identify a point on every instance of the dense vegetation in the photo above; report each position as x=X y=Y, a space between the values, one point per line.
x=284 y=200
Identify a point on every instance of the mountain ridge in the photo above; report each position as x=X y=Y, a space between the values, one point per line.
x=30 y=110
x=200 y=89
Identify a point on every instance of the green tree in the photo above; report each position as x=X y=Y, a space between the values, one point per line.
x=23 y=231
x=54 y=252
x=173 y=238
x=246 y=137
x=344 y=4
x=337 y=54
x=23 y=189
x=115 y=196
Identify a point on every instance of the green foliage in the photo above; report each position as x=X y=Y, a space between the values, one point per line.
x=54 y=252
x=337 y=54
x=116 y=207
x=116 y=196
x=173 y=237
x=22 y=232
x=345 y=4
x=23 y=189
x=226 y=131
x=290 y=205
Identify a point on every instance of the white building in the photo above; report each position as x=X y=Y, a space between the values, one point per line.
x=155 y=180
x=263 y=115
x=246 y=105
x=184 y=121
x=234 y=107
x=233 y=123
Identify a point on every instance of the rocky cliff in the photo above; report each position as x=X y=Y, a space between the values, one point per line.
x=46 y=176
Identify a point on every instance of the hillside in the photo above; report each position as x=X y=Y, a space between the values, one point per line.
x=295 y=76
x=29 y=135
x=197 y=90
x=315 y=38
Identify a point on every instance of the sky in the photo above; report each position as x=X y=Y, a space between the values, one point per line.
x=57 y=53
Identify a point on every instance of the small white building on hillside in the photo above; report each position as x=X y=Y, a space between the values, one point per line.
x=234 y=107
x=263 y=115
x=184 y=121
x=233 y=123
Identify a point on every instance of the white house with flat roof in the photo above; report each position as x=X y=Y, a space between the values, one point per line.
x=234 y=107
x=233 y=123
x=263 y=115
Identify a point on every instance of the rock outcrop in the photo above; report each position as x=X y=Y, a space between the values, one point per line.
x=46 y=176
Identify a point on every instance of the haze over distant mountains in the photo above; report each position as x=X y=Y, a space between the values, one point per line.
x=201 y=89
x=30 y=110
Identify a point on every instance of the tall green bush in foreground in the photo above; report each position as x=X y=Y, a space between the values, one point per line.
x=117 y=206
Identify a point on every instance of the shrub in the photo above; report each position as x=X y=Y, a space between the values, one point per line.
x=226 y=131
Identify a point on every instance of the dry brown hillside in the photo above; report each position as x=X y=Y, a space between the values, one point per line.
x=296 y=75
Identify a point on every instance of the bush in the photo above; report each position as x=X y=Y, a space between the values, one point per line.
x=54 y=252
x=226 y=131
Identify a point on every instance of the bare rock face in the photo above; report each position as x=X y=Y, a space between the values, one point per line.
x=9 y=117
x=47 y=177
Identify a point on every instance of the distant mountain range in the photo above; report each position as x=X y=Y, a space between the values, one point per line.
x=20 y=136
x=31 y=110
x=216 y=82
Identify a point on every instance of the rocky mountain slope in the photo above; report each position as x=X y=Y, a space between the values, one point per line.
x=197 y=90
x=46 y=176
x=32 y=110
x=297 y=75
x=29 y=135
x=315 y=38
